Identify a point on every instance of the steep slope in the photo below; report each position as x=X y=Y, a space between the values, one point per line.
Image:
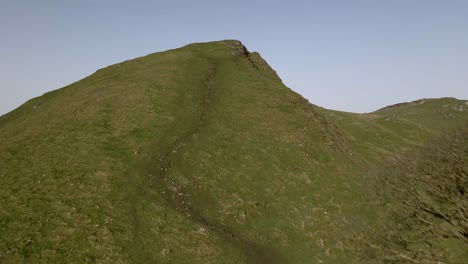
x=153 y=160
x=413 y=182
x=198 y=153
x=423 y=204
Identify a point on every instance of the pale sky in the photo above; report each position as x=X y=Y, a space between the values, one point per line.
x=348 y=55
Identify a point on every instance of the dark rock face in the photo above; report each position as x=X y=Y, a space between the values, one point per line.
x=254 y=58
x=238 y=47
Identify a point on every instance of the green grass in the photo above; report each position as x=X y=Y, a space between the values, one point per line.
x=200 y=155
x=422 y=201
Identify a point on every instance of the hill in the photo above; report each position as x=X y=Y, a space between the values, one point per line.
x=198 y=153
x=423 y=201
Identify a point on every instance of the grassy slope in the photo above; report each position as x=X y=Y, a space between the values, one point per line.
x=72 y=156
x=197 y=153
x=415 y=155
x=422 y=205
x=399 y=128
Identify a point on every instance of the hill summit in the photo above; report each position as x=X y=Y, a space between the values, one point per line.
x=201 y=153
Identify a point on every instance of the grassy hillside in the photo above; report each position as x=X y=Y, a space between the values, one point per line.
x=401 y=127
x=200 y=155
x=423 y=204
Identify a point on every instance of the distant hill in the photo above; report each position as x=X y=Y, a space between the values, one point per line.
x=202 y=155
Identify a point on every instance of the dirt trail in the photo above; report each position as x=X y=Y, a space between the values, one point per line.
x=174 y=194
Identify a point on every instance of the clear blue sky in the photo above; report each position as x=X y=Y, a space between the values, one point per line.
x=347 y=55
